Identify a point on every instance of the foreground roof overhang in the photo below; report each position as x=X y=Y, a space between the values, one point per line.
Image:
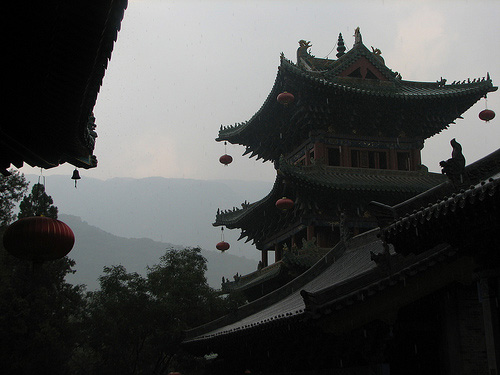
x=468 y=217
x=58 y=53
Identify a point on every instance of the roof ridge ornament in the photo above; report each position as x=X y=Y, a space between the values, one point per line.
x=304 y=57
x=378 y=54
x=358 y=39
x=340 y=46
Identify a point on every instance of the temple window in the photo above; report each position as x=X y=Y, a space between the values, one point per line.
x=334 y=156
x=311 y=154
x=377 y=159
x=403 y=161
x=369 y=159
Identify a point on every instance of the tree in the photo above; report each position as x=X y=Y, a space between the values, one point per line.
x=38 y=203
x=179 y=285
x=135 y=324
x=12 y=189
x=39 y=311
x=119 y=324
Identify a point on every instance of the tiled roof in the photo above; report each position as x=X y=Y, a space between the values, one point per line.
x=338 y=279
x=447 y=212
x=254 y=278
x=324 y=100
x=278 y=306
x=299 y=260
x=335 y=179
x=362 y=179
x=449 y=218
x=402 y=89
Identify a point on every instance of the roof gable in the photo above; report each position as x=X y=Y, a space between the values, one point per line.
x=363 y=68
x=370 y=63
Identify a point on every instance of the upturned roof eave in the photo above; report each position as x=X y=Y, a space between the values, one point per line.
x=404 y=92
x=297 y=177
x=213 y=329
x=252 y=208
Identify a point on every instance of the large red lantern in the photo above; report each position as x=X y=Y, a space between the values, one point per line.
x=222 y=246
x=486 y=115
x=226 y=159
x=284 y=204
x=285 y=98
x=38 y=239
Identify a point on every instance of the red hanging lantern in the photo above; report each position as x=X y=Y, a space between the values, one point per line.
x=284 y=204
x=38 y=239
x=226 y=159
x=486 y=115
x=222 y=246
x=285 y=98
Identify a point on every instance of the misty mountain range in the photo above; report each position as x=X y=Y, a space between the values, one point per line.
x=133 y=221
x=95 y=248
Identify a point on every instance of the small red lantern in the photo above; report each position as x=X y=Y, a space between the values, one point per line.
x=284 y=204
x=226 y=159
x=222 y=246
x=38 y=239
x=486 y=115
x=285 y=98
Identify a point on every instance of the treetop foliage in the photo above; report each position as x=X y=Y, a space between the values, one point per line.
x=38 y=203
x=12 y=189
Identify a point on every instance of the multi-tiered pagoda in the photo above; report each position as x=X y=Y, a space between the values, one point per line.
x=343 y=133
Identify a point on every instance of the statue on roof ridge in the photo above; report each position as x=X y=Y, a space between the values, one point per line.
x=302 y=51
x=454 y=168
x=378 y=54
x=357 y=36
x=304 y=57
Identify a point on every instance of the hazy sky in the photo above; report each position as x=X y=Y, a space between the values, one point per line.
x=180 y=69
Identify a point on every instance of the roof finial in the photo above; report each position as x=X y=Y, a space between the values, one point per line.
x=357 y=36
x=340 y=46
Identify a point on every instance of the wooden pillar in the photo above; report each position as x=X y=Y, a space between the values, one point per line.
x=345 y=160
x=278 y=252
x=310 y=232
x=393 y=159
x=308 y=156
x=416 y=160
x=264 y=258
x=489 y=287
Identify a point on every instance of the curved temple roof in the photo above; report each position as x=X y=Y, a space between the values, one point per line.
x=259 y=219
x=346 y=276
x=357 y=93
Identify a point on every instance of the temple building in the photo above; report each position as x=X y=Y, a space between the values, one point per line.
x=380 y=267
x=352 y=133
